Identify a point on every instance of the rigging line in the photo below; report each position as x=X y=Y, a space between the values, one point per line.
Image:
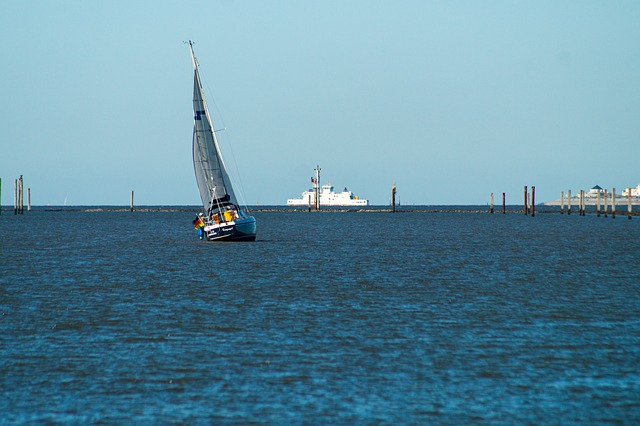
x=239 y=185
x=229 y=144
x=215 y=198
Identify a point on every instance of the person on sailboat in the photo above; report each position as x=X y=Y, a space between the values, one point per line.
x=198 y=223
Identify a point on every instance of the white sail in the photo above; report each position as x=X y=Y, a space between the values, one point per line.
x=211 y=174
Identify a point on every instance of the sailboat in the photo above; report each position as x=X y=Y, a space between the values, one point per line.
x=222 y=218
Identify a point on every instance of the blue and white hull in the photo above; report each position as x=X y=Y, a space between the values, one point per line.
x=237 y=230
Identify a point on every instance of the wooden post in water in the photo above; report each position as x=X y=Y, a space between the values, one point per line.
x=533 y=201
x=393 y=198
x=132 y=200
x=504 y=204
x=569 y=202
x=21 y=195
x=525 y=200
x=613 y=203
x=28 y=199
x=629 y=195
x=491 y=203
x=604 y=203
x=598 y=204
x=562 y=202
x=582 y=202
x=0 y=195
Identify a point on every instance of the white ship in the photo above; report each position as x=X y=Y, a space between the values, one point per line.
x=326 y=196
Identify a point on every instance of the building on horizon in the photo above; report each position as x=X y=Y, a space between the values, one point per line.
x=635 y=192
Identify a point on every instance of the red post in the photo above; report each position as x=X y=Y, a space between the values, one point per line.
x=533 y=201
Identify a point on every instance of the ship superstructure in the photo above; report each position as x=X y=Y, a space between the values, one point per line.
x=326 y=196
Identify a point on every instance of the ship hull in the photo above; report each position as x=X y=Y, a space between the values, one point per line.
x=304 y=203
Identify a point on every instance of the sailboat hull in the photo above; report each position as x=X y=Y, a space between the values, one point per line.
x=239 y=230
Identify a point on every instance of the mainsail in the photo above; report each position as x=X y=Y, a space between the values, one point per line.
x=211 y=174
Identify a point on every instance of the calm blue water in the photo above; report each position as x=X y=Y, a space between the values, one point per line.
x=329 y=318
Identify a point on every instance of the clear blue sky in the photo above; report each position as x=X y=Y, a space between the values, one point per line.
x=451 y=100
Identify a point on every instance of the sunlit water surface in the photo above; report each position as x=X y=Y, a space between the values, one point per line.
x=329 y=318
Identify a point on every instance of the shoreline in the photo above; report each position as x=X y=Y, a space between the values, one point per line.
x=545 y=208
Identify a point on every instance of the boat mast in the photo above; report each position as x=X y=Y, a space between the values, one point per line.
x=193 y=56
x=316 y=189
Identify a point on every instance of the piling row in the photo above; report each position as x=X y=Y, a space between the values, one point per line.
x=601 y=207
x=18 y=196
x=504 y=205
x=529 y=202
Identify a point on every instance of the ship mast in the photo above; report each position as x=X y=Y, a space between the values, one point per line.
x=316 y=189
